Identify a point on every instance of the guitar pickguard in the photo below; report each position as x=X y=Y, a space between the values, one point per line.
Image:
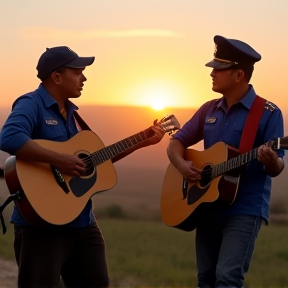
x=79 y=186
x=195 y=193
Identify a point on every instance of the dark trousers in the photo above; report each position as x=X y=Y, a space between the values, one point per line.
x=77 y=254
x=224 y=248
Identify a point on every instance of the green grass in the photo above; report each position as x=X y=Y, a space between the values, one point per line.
x=154 y=255
x=150 y=254
x=270 y=261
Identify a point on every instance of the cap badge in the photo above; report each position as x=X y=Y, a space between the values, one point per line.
x=215 y=50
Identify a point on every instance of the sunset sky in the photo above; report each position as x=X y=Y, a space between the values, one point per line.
x=146 y=50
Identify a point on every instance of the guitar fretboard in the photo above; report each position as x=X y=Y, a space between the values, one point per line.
x=234 y=163
x=115 y=149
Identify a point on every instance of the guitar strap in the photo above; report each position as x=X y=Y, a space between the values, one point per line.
x=251 y=124
x=83 y=125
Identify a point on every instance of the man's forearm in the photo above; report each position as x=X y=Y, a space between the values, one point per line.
x=175 y=152
x=32 y=151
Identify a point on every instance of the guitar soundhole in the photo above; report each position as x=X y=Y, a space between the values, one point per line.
x=89 y=164
x=206 y=176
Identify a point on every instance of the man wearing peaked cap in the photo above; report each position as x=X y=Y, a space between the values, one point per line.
x=74 y=250
x=230 y=53
x=226 y=234
x=57 y=57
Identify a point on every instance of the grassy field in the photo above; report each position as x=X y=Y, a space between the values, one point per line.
x=150 y=254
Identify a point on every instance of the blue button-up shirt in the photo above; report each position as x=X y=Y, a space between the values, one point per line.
x=36 y=115
x=221 y=124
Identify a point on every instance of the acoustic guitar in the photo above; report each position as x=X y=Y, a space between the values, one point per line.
x=48 y=196
x=184 y=204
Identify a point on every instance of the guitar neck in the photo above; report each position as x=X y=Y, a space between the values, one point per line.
x=117 y=148
x=234 y=163
x=242 y=159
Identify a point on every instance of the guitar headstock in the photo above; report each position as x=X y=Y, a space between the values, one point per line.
x=169 y=123
x=279 y=143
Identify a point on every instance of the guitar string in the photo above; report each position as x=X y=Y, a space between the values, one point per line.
x=222 y=166
x=88 y=159
x=89 y=164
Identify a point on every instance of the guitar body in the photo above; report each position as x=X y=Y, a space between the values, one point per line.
x=185 y=205
x=47 y=197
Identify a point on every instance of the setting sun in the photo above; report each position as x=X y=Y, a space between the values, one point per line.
x=157 y=104
x=156 y=95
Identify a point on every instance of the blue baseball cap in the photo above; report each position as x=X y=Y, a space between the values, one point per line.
x=57 y=57
x=232 y=53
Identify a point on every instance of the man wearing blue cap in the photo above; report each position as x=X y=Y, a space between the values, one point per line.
x=76 y=250
x=225 y=239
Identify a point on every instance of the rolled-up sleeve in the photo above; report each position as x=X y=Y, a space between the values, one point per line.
x=192 y=131
x=18 y=128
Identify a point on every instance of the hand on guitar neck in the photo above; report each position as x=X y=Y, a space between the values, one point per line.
x=155 y=134
x=269 y=158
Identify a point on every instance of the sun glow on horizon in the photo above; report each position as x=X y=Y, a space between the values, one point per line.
x=156 y=96
x=157 y=104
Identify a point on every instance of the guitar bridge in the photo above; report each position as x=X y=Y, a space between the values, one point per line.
x=184 y=188
x=59 y=179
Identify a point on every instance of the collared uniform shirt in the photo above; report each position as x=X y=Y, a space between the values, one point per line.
x=221 y=124
x=36 y=115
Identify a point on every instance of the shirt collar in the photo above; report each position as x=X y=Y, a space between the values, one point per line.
x=50 y=101
x=247 y=100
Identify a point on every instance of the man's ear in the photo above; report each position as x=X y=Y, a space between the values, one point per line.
x=239 y=75
x=56 y=77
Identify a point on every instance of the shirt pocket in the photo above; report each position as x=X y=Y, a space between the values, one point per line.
x=211 y=133
x=54 y=132
x=236 y=134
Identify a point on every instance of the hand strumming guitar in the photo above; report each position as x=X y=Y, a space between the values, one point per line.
x=189 y=171
x=66 y=163
x=186 y=168
x=71 y=165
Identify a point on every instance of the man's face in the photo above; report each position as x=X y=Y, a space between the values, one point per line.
x=71 y=82
x=223 y=80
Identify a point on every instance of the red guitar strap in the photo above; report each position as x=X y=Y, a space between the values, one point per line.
x=80 y=122
x=251 y=124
